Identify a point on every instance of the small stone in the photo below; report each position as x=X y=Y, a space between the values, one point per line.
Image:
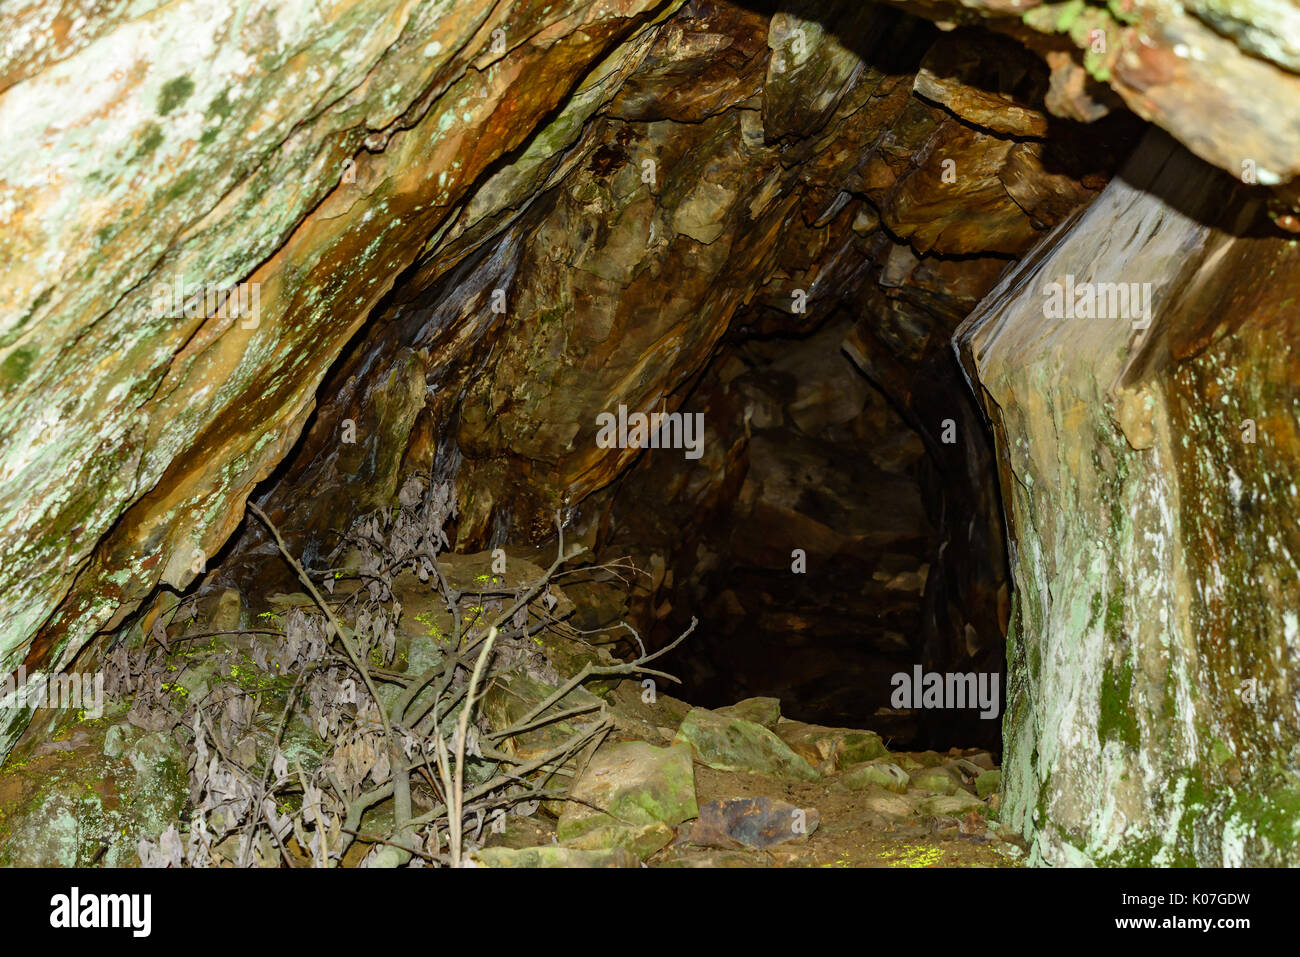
x=753 y=822
x=952 y=805
x=982 y=759
x=935 y=779
x=227 y=611
x=711 y=858
x=928 y=759
x=878 y=774
x=891 y=806
x=553 y=855
x=857 y=747
x=116 y=739
x=906 y=762
x=968 y=770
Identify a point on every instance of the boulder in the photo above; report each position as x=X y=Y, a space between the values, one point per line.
x=1148 y=446
x=842 y=747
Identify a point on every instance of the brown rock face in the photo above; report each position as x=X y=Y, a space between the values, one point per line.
x=137 y=420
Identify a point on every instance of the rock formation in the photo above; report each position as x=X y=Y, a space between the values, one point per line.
x=299 y=254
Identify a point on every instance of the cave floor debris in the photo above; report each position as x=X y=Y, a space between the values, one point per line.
x=850 y=833
x=855 y=826
x=658 y=782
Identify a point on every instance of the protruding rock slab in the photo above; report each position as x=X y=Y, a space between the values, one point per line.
x=1148 y=446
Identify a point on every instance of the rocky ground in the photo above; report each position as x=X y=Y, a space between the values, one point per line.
x=232 y=736
x=744 y=787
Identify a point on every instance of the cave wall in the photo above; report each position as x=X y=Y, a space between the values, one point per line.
x=1148 y=474
x=1221 y=77
x=313 y=155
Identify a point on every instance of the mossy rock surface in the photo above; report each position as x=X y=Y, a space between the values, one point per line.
x=641 y=841
x=68 y=803
x=631 y=783
x=988 y=783
x=727 y=743
x=876 y=774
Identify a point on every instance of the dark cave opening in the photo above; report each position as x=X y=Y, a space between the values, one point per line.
x=841 y=551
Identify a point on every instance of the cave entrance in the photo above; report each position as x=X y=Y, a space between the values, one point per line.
x=732 y=235
x=841 y=545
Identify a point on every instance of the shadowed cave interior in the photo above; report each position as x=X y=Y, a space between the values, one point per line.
x=843 y=524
